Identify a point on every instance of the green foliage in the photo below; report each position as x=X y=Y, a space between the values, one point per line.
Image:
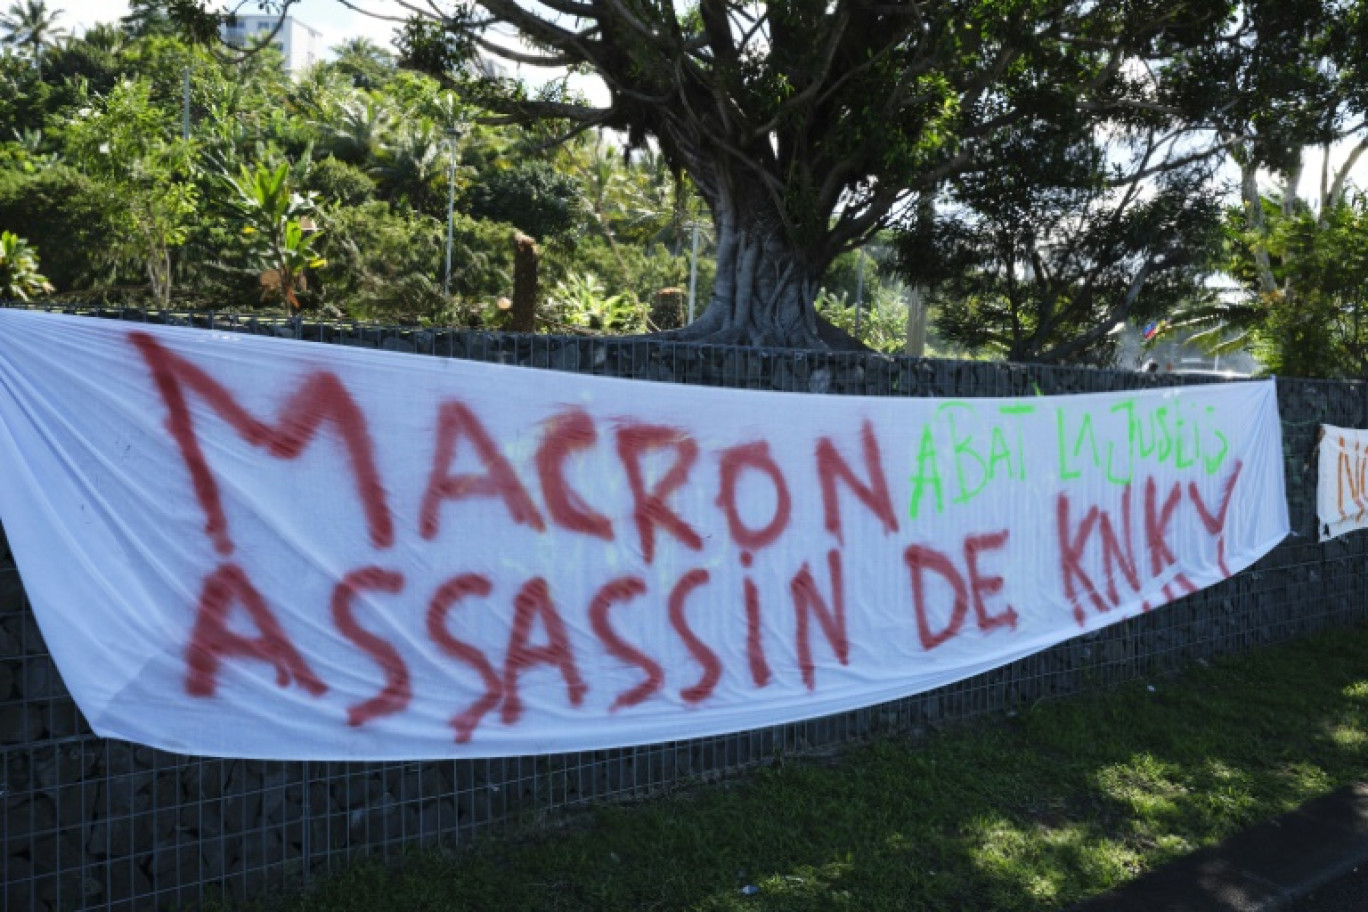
x=186 y=19
x=144 y=172
x=343 y=184
x=1314 y=321
x=642 y=271
x=66 y=215
x=387 y=264
x=25 y=100
x=278 y=223
x=359 y=128
x=880 y=322
x=19 y=275
x=160 y=62
x=363 y=63
x=27 y=154
x=867 y=275
x=31 y=25
x=580 y=302
x=806 y=135
x=532 y=195
x=411 y=167
x=93 y=170
x=430 y=47
x=1047 y=253
x=93 y=61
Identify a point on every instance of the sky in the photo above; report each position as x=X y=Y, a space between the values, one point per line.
x=334 y=20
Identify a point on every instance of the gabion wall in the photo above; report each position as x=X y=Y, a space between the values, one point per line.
x=90 y=823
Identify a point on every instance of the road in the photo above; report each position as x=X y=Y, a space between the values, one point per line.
x=1347 y=894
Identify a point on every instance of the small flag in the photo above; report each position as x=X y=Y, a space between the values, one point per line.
x=1154 y=328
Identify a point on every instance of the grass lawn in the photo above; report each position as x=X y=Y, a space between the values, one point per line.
x=1033 y=812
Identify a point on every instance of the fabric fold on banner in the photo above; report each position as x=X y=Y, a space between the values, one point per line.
x=254 y=547
x=1341 y=500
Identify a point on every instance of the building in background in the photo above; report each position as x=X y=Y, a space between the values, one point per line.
x=299 y=43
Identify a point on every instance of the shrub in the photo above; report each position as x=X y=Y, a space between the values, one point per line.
x=60 y=211
x=19 y=276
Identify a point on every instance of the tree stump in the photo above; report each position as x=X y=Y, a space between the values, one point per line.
x=669 y=310
x=525 y=257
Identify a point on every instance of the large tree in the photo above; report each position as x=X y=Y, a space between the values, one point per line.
x=1294 y=89
x=1045 y=257
x=1289 y=76
x=809 y=125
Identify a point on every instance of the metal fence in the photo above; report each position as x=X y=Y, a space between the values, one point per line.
x=92 y=823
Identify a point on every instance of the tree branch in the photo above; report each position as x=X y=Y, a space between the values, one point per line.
x=380 y=16
x=540 y=29
x=581 y=127
x=1336 y=193
x=536 y=60
x=1080 y=342
x=521 y=111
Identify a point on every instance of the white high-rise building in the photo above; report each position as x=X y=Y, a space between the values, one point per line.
x=299 y=43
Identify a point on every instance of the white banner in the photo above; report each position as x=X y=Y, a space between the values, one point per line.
x=1341 y=501
x=252 y=547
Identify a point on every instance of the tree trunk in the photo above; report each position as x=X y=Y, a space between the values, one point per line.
x=916 y=321
x=765 y=286
x=158 y=265
x=525 y=257
x=1254 y=218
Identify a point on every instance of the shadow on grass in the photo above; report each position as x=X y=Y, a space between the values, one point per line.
x=1030 y=813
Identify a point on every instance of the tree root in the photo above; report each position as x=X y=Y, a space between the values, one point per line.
x=710 y=330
